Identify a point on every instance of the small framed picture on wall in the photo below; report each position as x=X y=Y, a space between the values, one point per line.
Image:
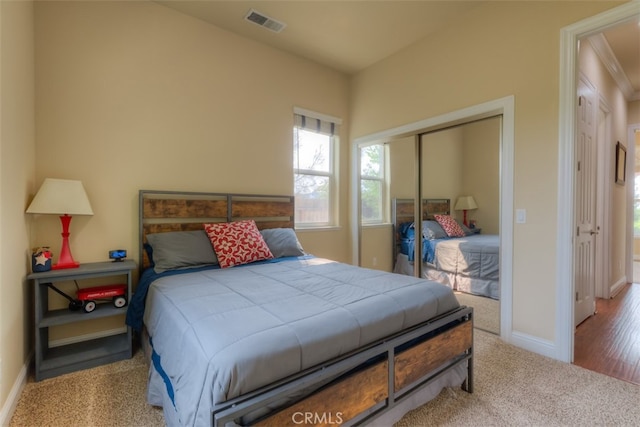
x=621 y=163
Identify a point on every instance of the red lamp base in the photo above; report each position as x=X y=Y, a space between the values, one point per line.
x=61 y=266
x=66 y=259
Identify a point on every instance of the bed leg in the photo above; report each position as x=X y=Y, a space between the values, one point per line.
x=467 y=385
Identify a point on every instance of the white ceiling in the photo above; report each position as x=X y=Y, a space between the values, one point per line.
x=349 y=36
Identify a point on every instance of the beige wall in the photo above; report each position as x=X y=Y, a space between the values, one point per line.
x=137 y=96
x=481 y=172
x=495 y=50
x=133 y=95
x=17 y=171
x=377 y=247
x=402 y=170
x=442 y=166
x=466 y=163
x=459 y=161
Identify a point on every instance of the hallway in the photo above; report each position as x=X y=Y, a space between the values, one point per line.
x=609 y=341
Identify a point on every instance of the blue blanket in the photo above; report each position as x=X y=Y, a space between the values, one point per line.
x=407 y=247
x=135 y=311
x=219 y=334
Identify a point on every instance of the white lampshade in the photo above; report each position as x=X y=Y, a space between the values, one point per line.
x=465 y=203
x=61 y=196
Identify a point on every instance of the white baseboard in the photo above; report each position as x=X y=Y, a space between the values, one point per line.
x=87 y=337
x=534 y=344
x=617 y=287
x=9 y=407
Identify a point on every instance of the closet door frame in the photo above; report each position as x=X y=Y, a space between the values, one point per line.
x=505 y=108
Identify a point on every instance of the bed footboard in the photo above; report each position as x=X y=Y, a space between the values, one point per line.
x=358 y=387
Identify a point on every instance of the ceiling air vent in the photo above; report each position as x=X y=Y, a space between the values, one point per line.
x=264 y=21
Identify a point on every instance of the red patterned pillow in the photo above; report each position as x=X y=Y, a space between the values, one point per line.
x=237 y=243
x=450 y=226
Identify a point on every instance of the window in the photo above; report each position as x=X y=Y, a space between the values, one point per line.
x=314 y=166
x=372 y=183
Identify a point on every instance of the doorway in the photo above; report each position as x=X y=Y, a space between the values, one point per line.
x=565 y=294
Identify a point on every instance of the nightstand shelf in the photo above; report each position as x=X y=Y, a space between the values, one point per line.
x=53 y=361
x=64 y=315
x=83 y=355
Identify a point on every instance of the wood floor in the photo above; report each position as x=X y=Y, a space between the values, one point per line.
x=609 y=341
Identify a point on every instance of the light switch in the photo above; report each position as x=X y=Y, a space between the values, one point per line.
x=521 y=216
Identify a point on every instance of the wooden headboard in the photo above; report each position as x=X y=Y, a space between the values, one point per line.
x=403 y=211
x=164 y=211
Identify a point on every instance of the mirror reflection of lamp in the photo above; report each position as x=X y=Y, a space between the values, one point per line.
x=62 y=197
x=464 y=204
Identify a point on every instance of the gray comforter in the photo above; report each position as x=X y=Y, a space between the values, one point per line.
x=218 y=334
x=467 y=264
x=473 y=256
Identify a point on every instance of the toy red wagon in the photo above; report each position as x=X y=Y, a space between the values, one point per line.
x=89 y=296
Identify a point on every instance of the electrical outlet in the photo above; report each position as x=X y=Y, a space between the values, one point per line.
x=374 y=261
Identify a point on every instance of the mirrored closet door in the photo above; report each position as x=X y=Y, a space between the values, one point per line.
x=455 y=174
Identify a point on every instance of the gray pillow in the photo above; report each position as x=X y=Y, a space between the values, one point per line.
x=466 y=229
x=432 y=230
x=181 y=249
x=282 y=242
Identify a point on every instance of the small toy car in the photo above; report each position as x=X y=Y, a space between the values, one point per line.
x=88 y=296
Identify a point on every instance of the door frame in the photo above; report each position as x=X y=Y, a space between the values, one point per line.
x=565 y=286
x=502 y=106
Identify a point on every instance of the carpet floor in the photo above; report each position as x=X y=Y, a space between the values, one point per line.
x=486 y=311
x=513 y=387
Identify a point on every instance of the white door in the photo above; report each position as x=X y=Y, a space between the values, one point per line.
x=585 y=238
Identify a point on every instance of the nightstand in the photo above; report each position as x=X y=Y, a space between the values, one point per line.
x=63 y=359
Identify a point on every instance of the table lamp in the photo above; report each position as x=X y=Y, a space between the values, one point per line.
x=464 y=204
x=62 y=197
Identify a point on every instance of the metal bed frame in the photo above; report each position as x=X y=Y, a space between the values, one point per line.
x=352 y=389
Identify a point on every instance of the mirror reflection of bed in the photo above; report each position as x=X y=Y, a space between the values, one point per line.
x=452 y=253
x=462 y=160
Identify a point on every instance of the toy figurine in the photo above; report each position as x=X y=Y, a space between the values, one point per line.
x=41 y=259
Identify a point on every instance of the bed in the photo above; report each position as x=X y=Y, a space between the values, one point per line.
x=469 y=263
x=289 y=339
